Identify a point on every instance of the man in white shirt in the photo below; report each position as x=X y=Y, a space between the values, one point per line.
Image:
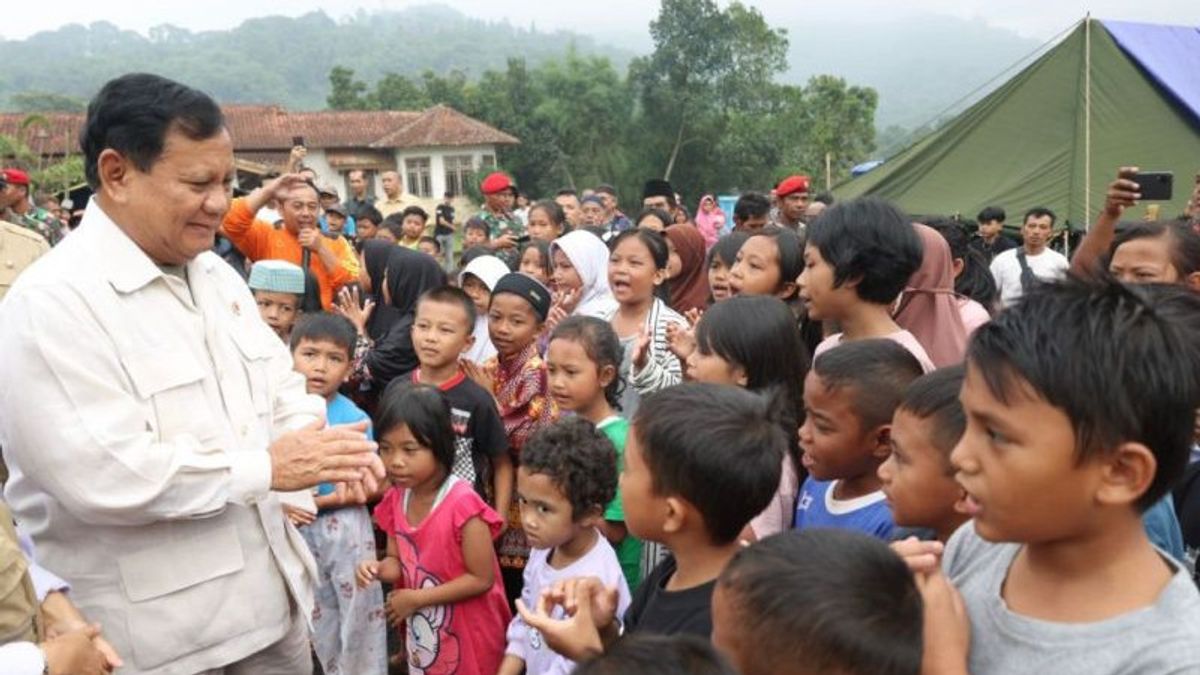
x=393 y=194
x=1018 y=268
x=148 y=414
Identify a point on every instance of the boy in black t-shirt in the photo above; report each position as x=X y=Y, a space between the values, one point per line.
x=442 y=331
x=701 y=461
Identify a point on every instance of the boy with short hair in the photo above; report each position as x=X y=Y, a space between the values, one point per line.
x=441 y=333
x=368 y=220
x=517 y=379
x=1080 y=402
x=816 y=602
x=413 y=220
x=391 y=229
x=340 y=534
x=752 y=212
x=859 y=256
x=476 y=233
x=991 y=240
x=684 y=441
x=850 y=396
x=917 y=476
x=278 y=288
x=430 y=247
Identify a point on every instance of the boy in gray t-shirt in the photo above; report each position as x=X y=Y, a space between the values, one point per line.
x=1155 y=639
x=1079 y=403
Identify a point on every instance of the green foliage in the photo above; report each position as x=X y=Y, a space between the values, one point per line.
x=703 y=109
x=39 y=102
x=275 y=59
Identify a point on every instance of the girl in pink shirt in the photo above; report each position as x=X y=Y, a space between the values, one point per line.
x=440 y=555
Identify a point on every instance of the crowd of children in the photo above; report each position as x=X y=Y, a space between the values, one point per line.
x=614 y=454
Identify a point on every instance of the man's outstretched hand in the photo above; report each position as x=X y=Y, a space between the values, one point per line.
x=318 y=454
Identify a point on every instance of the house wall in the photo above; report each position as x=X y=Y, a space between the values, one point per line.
x=437 y=163
x=318 y=160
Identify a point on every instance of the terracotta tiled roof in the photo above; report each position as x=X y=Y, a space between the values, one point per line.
x=59 y=136
x=270 y=128
x=442 y=126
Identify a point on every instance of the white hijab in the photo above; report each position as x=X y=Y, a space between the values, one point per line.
x=488 y=269
x=589 y=256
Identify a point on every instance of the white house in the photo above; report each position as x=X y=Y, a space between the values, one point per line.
x=435 y=150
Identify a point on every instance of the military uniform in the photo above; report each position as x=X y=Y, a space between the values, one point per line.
x=501 y=224
x=19 y=247
x=38 y=220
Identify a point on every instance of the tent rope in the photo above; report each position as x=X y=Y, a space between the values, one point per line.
x=1016 y=65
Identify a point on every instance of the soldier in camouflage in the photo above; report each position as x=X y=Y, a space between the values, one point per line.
x=16 y=207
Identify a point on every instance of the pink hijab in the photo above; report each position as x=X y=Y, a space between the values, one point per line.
x=709 y=224
x=928 y=307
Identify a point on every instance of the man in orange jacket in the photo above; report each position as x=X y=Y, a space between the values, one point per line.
x=332 y=261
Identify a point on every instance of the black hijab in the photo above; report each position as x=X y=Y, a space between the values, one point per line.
x=409 y=274
x=375 y=254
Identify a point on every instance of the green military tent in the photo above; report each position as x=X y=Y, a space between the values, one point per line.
x=1109 y=94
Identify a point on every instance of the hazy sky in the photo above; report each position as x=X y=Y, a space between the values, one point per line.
x=1033 y=18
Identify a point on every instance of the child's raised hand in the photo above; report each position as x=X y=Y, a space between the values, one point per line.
x=947 y=627
x=641 y=350
x=566 y=300
x=349 y=304
x=367 y=572
x=555 y=317
x=693 y=316
x=681 y=340
x=922 y=557
x=482 y=376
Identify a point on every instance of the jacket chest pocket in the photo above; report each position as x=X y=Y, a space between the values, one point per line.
x=256 y=362
x=170 y=382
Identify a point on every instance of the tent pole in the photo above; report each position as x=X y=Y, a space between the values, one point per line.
x=1087 y=121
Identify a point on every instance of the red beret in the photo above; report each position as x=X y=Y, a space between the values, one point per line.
x=792 y=184
x=495 y=182
x=16 y=177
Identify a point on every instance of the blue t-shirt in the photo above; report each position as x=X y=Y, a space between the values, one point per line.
x=342 y=410
x=1162 y=527
x=818 y=508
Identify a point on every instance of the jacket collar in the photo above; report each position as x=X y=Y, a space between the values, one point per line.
x=126 y=266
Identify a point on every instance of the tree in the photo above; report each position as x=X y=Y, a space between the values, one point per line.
x=706 y=63
x=345 y=92
x=840 y=121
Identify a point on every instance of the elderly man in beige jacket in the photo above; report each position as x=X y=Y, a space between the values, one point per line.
x=147 y=413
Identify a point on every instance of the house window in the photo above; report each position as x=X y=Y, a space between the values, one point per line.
x=488 y=162
x=418 y=178
x=459 y=169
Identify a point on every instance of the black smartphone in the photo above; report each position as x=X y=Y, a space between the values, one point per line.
x=522 y=240
x=1155 y=186
x=297 y=141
